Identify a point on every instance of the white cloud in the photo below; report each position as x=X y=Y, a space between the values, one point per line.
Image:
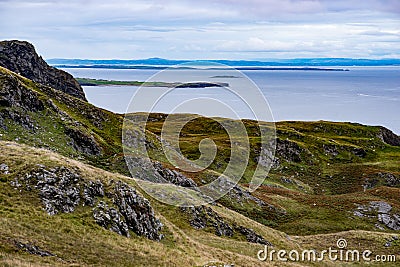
x=205 y=29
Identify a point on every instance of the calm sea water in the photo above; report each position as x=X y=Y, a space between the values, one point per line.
x=367 y=95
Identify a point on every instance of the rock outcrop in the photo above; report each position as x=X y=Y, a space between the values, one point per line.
x=14 y=94
x=288 y=150
x=62 y=190
x=32 y=249
x=138 y=213
x=252 y=236
x=174 y=177
x=82 y=142
x=110 y=218
x=389 y=137
x=21 y=57
x=382 y=212
x=201 y=217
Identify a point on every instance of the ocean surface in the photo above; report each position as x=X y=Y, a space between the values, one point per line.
x=367 y=95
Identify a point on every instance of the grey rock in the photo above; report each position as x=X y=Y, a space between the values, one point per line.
x=15 y=94
x=388 y=137
x=21 y=57
x=58 y=189
x=252 y=236
x=137 y=211
x=390 y=241
x=62 y=189
x=359 y=152
x=288 y=150
x=174 y=177
x=4 y=168
x=390 y=179
x=91 y=190
x=237 y=192
x=110 y=218
x=382 y=212
x=266 y=158
x=32 y=249
x=286 y=180
x=21 y=118
x=330 y=149
x=201 y=217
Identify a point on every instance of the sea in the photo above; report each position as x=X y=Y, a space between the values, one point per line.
x=366 y=95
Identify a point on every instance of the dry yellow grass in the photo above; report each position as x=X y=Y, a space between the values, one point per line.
x=79 y=245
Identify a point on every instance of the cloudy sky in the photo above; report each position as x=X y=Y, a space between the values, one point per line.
x=206 y=29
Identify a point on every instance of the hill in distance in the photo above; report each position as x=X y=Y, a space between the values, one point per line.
x=67 y=197
x=234 y=63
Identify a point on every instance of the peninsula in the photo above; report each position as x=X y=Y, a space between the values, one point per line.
x=102 y=82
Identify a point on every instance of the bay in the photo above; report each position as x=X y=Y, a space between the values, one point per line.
x=367 y=95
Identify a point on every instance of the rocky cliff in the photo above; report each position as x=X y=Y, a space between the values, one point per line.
x=21 y=57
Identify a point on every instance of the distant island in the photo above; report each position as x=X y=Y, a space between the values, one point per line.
x=225 y=76
x=161 y=62
x=102 y=82
x=150 y=67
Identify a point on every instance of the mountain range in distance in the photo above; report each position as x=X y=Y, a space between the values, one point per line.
x=298 y=62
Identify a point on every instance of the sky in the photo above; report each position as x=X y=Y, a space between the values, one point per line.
x=205 y=29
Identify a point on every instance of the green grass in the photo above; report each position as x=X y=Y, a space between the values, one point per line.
x=318 y=202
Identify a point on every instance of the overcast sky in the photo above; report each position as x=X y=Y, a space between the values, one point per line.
x=205 y=29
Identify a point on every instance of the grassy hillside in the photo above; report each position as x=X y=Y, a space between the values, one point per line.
x=325 y=170
x=75 y=239
x=329 y=180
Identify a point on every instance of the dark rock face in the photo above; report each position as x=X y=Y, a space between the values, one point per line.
x=14 y=94
x=382 y=178
x=389 y=137
x=63 y=189
x=359 y=152
x=21 y=57
x=83 y=143
x=330 y=150
x=18 y=101
x=390 y=179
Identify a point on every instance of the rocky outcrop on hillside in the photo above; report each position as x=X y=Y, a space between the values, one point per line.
x=32 y=249
x=21 y=57
x=201 y=217
x=380 y=211
x=14 y=94
x=288 y=150
x=174 y=177
x=82 y=142
x=116 y=206
x=389 y=137
x=17 y=101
